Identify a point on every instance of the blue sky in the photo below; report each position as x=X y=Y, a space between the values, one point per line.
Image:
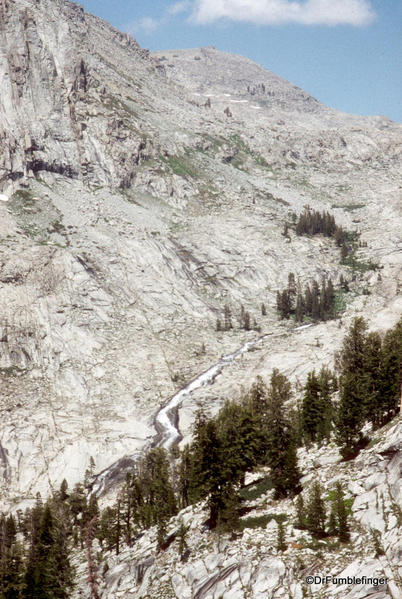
x=346 y=53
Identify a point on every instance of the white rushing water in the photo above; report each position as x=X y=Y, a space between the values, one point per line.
x=165 y=419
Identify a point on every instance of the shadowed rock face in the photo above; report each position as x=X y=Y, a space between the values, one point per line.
x=130 y=214
x=58 y=87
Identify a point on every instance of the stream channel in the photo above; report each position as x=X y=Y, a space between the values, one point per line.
x=166 y=420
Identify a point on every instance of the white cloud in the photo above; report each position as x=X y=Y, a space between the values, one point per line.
x=147 y=25
x=275 y=12
x=179 y=7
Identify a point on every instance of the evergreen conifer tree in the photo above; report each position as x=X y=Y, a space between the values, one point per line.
x=280 y=542
x=372 y=367
x=341 y=514
x=311 y=408
x=227 y=318
x=390 y=384
x=315 y=516
x=182 y=538
x=353 y=386
x=281 y=444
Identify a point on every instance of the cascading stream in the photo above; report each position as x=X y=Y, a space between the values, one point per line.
x=168 y=432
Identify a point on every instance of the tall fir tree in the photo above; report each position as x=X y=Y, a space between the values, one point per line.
x=390 y=384
x=353 y=387
x=341 y=514
x=315 y=516
x=372 y=367
x=281 y=443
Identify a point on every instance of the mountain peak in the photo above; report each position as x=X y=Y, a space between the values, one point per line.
x=210 y=71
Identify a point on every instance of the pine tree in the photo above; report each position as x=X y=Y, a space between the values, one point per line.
x=63 y=493
x=300 y=513
x=341 y=514
x=308 y=301
x=227 y=318
x=91 y=560
x=281 y=444
x=107 y=528
x=299 y=308
x=228 y=517
x=353 y=387
x=280 y=542
x=332 y=524
x=11 y=560
x=161 y=532
x=157 y=489
x=246 y=322
x=47 y=555
x=182 y=538
x=316 y=511
x=291 y=288
x=344 y=253
x=327 y=384
x=315 y=301
x=311 y=408
x=372 y=367
x=283 y=303
x=390 y=384
x=185 y=473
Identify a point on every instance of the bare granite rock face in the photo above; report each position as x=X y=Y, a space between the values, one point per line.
x=64 y=109
x=133 y=207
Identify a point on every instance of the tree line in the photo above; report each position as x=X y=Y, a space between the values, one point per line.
x=261 y=429
x=312 y=515
x=316 y=301
x=35 y=545
x=312 y=222
x=244 y=319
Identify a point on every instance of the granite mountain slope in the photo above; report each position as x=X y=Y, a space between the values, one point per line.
x=136 y=209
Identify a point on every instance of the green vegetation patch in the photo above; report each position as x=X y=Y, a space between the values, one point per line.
x=181 y=165
x=259 y=488
x=12 y=371
x=359 y=265
x=37 y=217
x=260 y=521
x=246 y=152
x=351 y=207
x=350 y=259
x=331 y=496
x=340 y=303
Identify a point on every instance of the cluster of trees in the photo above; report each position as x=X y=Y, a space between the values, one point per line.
x=36 y=544
x=258 y=430
x=261 y=429
x=317 y=413
x=312 y=222
x=316 y=302
x=312 y=516
x=369 y=387
x=147 y=499
x=244 y=319
x=370 y=378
